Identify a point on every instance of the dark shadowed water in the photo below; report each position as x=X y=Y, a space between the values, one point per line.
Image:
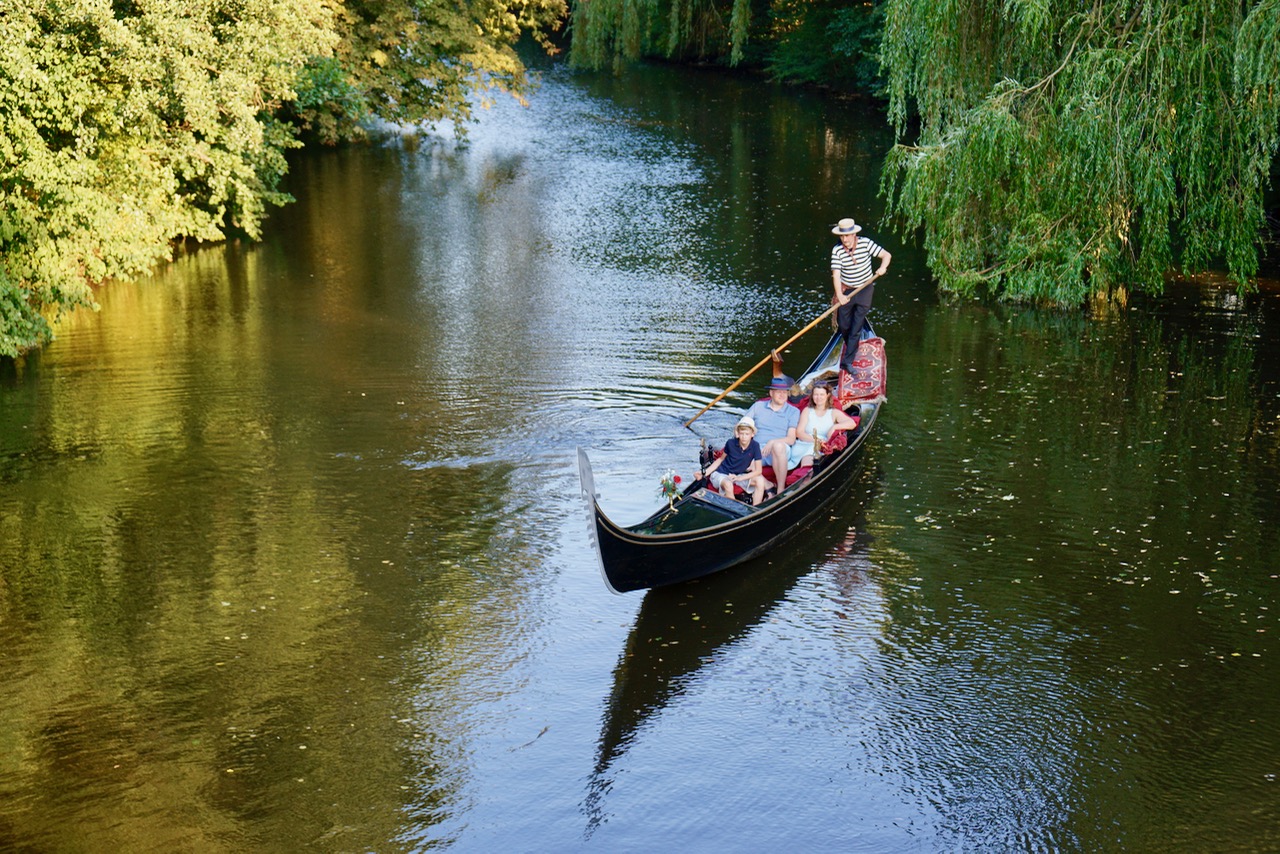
x=292 y=554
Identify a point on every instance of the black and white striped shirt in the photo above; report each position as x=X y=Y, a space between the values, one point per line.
x=855 y=267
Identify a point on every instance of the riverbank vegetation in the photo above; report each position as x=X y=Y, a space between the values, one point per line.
x=127 y=126
x=1046 y=153
x=826 y=42
x=1082 y=150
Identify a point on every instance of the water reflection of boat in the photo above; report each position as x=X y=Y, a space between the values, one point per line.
x=703 y=532
x=680 y=630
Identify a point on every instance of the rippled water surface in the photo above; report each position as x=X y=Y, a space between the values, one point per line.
x=292 y=553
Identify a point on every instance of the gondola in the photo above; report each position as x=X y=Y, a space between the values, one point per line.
x=702 y=532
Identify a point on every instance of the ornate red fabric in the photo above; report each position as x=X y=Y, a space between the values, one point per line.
x=867 y=382
x=836 y=442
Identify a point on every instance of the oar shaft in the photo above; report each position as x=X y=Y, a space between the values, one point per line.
x=736 y=383
x=784 y=345
x=780 y=347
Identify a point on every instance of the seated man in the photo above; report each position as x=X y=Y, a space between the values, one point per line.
x=740 y=464
x=776 y=421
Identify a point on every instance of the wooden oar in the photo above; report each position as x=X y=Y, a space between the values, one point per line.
x=778 y=349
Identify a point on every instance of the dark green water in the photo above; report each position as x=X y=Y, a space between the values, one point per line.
x=292 y=554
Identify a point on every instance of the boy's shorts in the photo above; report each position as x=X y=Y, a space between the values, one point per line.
x=718 y=478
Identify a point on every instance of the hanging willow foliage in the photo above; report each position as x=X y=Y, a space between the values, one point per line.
x=608 y=32
x=1064 y=151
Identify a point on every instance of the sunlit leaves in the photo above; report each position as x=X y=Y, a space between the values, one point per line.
x=408 y=62
x=1061 y=154
x=126 y=126
x=120 y=134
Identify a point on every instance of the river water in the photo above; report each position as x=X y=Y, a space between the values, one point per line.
x=292 y=552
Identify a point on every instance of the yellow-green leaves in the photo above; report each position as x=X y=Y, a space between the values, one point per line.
x=411 y=62
x=127 y=125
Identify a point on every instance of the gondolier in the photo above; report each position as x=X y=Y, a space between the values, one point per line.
x=851 y=269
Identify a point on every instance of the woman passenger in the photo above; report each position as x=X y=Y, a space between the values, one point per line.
x=818 y=422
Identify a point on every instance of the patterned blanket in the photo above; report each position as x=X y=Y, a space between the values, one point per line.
x=867 y=382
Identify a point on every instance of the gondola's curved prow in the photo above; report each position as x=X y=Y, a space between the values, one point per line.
x=594 y=514
x=704 y=532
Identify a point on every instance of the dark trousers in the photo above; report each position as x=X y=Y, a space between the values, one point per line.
x=850 y=318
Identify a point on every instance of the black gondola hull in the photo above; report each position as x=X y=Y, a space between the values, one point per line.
x=635 y=561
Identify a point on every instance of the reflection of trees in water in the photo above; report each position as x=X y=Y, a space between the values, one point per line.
x=1058 y=424
x=182 y=667
x=1076 y=552
x=683 y=628
x=221 y=608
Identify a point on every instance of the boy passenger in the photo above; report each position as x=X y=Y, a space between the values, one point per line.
x=740 y=464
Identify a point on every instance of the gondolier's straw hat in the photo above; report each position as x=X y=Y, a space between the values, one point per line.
x=846 y=226
x=748 y=422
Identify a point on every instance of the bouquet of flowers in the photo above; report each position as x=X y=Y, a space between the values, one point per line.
x=669 y=488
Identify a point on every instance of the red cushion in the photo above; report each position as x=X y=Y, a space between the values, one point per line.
x=836 y=442
x=797 y=473
x=767 y=472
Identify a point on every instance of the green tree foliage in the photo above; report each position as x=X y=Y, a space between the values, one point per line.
x=410 y=61
x=126 y=125
x=1065 y=150
x=830 y=42
x=609 y=32
x=833 y=42
x=122 y=128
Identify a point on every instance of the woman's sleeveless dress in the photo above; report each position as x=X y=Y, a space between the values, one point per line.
x=820 y=426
